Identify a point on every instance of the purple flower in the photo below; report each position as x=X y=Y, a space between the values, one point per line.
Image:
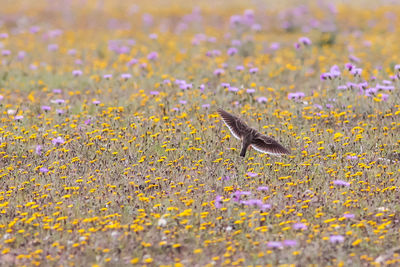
x=153 y=36
x=183 y=102
x=21 y=55
x=296 y=45
x=152 y=56
x=356 y=71
x=299 y=226
x=38 y=150
x=256 y=27
x=57 y=91
x=335 y=71
x=397 y=67
x=18 y=117
x=252 y=202
x=147 y=19
x=235 y=20
x=351 y=157
x=236 y=42
x=218 y=202
x=6 y=52
x=52 y=47
x=325 y=76
x=385 y=87
x=253 y=70
x=60 y=111
x=349 y=66
x=386 y=82
x=249 y=14
x=384 y=97
x=336 y=239
x=290 y=243
x=132 y=62
x=318 y=106
x=46 y=108
x=88 y=121
x=212 y=40
x=154 y=92
x=43 y=170
x=72 y=52
x=305 y=41
x=96 y=102
x=274 y=244
x=58 y=101
x=126 y=76
x=225 y=178
x=216 y=53
x=239 y=68
x=371 y=91
x=274 y=46
x=296 y=95
x=225 y=85
x=232 y=51
x=348 y=215
x=205 y=106
x=342 y=87
x=341 y=183
x=252 y=174
x=354 y=58
x=107 y=76
x=186 y=86
x=3 y=35
x=58 y=141
x=34 y=29
x=251 y=91
x=262 y=99
x=77 y=73
x=265 y=206
x=219 y=72
x=166 y=81
x=237 y=194
x=263 y=188
x=233 y=89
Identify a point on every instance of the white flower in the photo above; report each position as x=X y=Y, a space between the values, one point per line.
x=162 y=222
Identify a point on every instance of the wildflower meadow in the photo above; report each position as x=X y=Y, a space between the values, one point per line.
x=112 y=152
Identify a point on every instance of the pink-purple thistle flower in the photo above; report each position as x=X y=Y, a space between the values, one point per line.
x=341 y=183
x=219 y=72
x=296 y=95
x=38 y=150
x=218 y=202
x=76 y=73
x=336 y=239
x=305 y=41
x=58 y=141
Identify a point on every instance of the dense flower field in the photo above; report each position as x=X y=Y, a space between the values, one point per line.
x=113 y=153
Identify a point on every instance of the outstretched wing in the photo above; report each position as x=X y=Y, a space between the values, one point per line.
x=268 y=145
x=235 y=125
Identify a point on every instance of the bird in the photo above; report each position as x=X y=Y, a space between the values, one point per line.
x=251 y=137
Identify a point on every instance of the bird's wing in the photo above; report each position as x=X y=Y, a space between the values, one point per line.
x=235 y=125
x=268 y=145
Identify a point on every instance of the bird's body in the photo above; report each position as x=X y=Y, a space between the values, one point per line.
x=251 y=137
